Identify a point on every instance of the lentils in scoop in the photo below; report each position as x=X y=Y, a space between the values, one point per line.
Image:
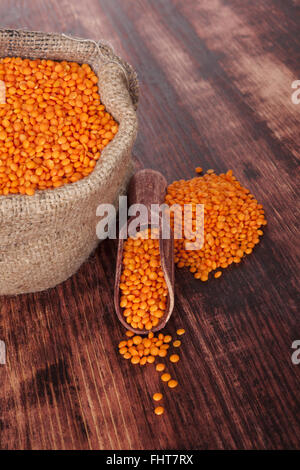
x=144 y=350
x=232 y=222
x=53 y=125
x=143 y=287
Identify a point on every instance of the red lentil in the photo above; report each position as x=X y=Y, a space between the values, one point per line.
x=157 y=396
x=159 y=410
x=172 y=383
x=165 y=377
x=174 y=358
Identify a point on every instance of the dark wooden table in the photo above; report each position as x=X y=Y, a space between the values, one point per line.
x=215 y=80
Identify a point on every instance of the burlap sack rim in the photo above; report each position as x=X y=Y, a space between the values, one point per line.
x=128 y=123
x=106 y=49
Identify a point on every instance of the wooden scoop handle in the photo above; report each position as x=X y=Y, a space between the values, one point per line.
x=147 y=187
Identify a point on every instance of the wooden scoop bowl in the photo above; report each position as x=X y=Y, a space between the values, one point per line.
x=148 y=187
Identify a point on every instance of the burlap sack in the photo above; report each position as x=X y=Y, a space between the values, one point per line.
x=46 y=237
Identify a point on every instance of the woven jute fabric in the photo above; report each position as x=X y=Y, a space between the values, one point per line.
x=45 y=238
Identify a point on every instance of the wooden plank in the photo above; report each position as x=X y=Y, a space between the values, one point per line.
x=215 y=91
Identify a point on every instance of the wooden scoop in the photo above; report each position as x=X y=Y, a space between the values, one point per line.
x=148 y=187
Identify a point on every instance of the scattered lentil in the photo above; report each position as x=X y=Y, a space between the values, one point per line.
x=157 y=396
x=172 y=383
x=159 y=410
x=143 y=349
x=165 y=377
x=135 y=359
x=181 y=331
x=2 y=92
x=162 y=353
x=174 y=358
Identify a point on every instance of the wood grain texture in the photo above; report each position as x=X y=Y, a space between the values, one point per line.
x=215 y=92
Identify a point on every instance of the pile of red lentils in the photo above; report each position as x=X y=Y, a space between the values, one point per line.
x=146 y=350
x=232 y=222
x=53 y=125
x=232 y=227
